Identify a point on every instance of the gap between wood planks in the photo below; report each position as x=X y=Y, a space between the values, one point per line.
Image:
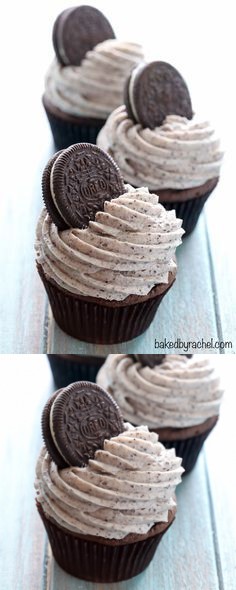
x=214 y=287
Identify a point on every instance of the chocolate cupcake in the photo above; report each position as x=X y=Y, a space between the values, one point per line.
x=106 y=511
x=158 y=142
x=67 y=368
x=178 y=397
x=85 y=82
x=107 y=271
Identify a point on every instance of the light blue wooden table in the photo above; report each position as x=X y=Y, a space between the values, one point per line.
x=197 y=553
x=202 y=302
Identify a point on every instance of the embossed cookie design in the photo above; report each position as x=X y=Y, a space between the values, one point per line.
x=76 y=31
x=77 y=420
x=76 y=183
x=154 y=91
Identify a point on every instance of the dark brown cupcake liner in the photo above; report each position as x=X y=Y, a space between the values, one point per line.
x=187 y=203
x=96 y=321
x=189 y=211
x=67 y=130
x=103 y=560
x=69 y=368
x=188 y=448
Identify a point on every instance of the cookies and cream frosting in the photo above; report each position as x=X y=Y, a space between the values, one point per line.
x=94 y=88
x=127 y=250
x=127 y=488
x=179 y=154
x=178 y=393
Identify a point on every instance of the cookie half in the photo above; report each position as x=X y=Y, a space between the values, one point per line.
x=154 y=91
x=76 y=31
x=77 y=420
x=46 y=432
x=48 y=201
x=76 y=183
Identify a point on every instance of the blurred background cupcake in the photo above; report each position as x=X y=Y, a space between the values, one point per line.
x=67 y=368
x=176 y=396
x=85 y=82
x=158 y=142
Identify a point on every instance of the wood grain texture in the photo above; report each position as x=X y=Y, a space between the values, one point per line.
x=221 y=241
x=221 y=479
x=25 y=385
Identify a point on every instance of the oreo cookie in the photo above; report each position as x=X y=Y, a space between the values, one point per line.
x=49 y=203
x=76 y=421
x=76 y=183
x=76 y=31
x=154 y=91
x=149 y=360
x=46 y=432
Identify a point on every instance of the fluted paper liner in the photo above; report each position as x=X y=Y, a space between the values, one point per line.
x=69 y=129
x=67 y=369
x=100 y=321
x=103 y=560
x=186 y=446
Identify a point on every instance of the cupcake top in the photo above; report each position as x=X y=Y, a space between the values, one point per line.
x=179 y=392
x=127 y=488
x=95 y=87
x=155 y=138
x=127 y=250
x=178 y=154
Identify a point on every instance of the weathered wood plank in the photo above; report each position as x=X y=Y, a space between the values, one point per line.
x=26 y=383
x=22 y=301
x=220 y=465
x=221 y=236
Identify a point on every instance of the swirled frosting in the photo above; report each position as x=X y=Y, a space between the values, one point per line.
x=127 y=250
x=179 y=154
x=127 y=488
x=178 y=393
x=94 y=88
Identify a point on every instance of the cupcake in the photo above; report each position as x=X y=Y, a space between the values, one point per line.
x=84 y=84
x=158 y=142
x=108 y=270
x=176 y=396
x=67 y=368
x=106 y=495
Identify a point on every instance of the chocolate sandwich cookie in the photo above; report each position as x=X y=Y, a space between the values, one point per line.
x=46 y=432
x=76 y=31
x=154 y=91
x=77 y=420
x=149 y=360
x=48 y=201
x=76 y=183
